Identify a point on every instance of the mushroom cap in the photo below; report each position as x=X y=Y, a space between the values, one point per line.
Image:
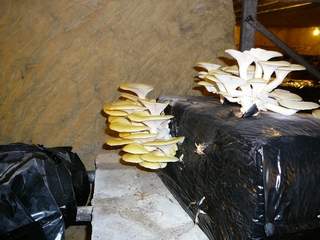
x=141 y=90
x=263 y=55
x=124 y=120
x=284 y=95
x=144 y=116
x=152 y=165
x=131 y=158
x=160 y=142
x=136 y=148
x=137 y=135
x=157 y=156
x=124 y=127
x=292 y=67
x=234 y=69
x=211 y=87
x=154 y=107
x=298 y=105
x=316 y=113
x=168 y=149
x=208 y=66
x=275 y=63
x=129 y=96
x=118 y=141
x=115 y=119
x=115 y=113
x=124 y=106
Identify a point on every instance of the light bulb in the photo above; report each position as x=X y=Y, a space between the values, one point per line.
x=316 y=32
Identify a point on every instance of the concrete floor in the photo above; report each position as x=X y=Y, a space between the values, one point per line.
x=132 y=204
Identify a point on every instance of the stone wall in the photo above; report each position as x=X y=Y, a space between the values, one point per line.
x=60 y=61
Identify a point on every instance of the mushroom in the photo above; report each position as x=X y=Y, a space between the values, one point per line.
x=136 y=148
x=208 y=66
x=280 y=109
x=280 y=94
x=260 y=54
x=151 y=165
x=154 y=107
x=118 y=141
x=160 y=142
x=316 y=113
x=137 y=135
x=298 y=105
x=270 y=66
x=231 y=83
x=157 y=156
x=281 y=73
x=141 y=90
x=131 y=158
x=234 y=69
x=129 y=96
x=124 y=106
x=170 y=149
x=145 y=116
x=243 y=59
x=126 y=127
x=115 y=113
x=209 y=86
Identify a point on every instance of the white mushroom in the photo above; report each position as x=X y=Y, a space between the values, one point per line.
x=270 y=66
x=298 y=105
x=154 y=107
x=244 y=60
x=141 y=90
x=260 y=54
x=281 y=73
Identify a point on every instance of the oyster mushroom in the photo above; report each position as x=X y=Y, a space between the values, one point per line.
x=118 y=141
x=127 y=127
x=130 y=97
x=137 y=135
x=298 y=105
x=208 y=66
x=115 y=113
x=157 y=156
x=144 y=116
x=151 y=165
x=131 y=158
x=316 y=113
x=135 y=148
x=141 y=90
x=211 y=87
x=234 y=69
x=280 y=109
x=244 y=61
x=260 y=54
x=270 y=66
x=154 y=107
x=231 y=83
x=280 y=94
x=160 y=142
x=281 y=73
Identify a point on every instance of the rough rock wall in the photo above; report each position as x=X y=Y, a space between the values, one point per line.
x=60 y=61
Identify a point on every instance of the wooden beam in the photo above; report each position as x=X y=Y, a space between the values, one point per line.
x=247 y=32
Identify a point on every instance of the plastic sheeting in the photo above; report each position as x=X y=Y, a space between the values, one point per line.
x=251 y=178
x=40 y=189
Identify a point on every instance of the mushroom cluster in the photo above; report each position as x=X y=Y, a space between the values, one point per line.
x=250 y=83
x=142 y=128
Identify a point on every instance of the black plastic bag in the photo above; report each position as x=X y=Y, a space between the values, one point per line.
x=252 y=178
x=40 y=189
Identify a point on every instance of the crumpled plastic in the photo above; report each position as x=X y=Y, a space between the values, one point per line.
x=40 y=189
x=245 y=178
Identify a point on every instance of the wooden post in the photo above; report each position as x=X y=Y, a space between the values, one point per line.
x=247 y=32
